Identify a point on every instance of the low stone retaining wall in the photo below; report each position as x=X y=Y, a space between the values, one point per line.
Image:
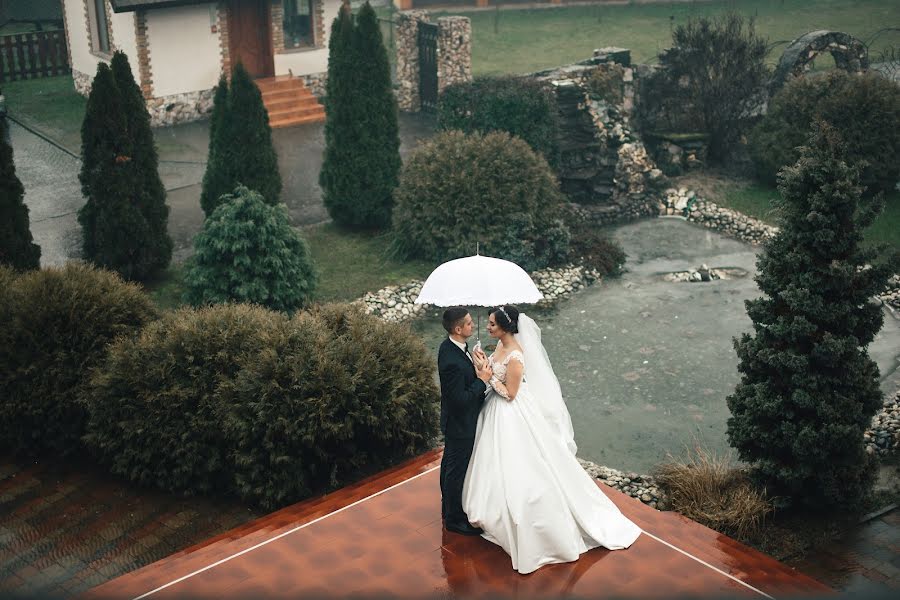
x=642 y=487
x=396 y=303
x=685 y=203
x=883 y=437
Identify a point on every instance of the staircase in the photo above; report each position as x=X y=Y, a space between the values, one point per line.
x=289 y=101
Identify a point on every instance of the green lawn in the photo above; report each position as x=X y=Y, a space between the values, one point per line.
x=350 y=264
x=49 y=104
x=521 y=41
x=755 y=199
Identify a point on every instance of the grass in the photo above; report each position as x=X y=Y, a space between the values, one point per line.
x=756 y=200
x=707 y=488
x=49 y=104
x=522 y=41
x=349 y=263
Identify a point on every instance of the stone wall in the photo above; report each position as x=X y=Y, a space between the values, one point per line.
x=454 y=55
x=604 y=166
x=454 y=51
x=168 y=110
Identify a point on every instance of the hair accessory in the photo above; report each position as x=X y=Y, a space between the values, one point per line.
x=503 y=310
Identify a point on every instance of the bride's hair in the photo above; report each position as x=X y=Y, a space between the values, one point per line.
x=507 y=317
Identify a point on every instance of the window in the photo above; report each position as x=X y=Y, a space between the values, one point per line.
x=299 y=24
x=99 y=26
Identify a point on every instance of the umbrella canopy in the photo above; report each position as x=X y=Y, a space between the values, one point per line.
x=478 y=281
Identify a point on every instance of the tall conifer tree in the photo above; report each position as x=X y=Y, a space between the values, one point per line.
x=808 y=387
x=145 y=167
x=243 y=152
x=17 y=248
x=115 y=233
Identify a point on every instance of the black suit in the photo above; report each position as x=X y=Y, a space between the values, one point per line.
x=462 y=396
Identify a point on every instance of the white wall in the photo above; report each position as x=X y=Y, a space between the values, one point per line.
x=123 y=38
x=79 y=42
x=184 y=53
x=306 y=62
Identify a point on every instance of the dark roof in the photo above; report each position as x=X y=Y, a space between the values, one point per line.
x=120 y=6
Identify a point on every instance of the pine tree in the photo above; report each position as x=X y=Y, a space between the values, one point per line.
x=344 y=191
x=17 y=248
x=248 y=252
x=145 y=165
x=115 y=233
x=379 y=147
x=808 y=388
x=213 y=174
x=243 y=153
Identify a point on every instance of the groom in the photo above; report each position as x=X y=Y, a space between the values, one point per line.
x=463 y=383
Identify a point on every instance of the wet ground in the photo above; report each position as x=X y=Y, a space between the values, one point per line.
x=53 y=194
x=646 y=364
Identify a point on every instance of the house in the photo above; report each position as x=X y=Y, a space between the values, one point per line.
x=179 y=48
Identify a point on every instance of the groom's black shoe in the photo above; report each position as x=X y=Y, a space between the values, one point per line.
x=463 y=529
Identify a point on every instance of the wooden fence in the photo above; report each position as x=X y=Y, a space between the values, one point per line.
x=32 y=55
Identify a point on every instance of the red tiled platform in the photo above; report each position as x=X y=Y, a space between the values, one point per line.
x=383 y=536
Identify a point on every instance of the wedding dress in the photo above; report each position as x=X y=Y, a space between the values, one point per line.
x=524 y=487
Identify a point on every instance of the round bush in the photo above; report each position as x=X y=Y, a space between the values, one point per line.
x=57 y=326
x=863 y=109
x=246 y=402
x=459 y=189
x=520 y=106
x=248 y=252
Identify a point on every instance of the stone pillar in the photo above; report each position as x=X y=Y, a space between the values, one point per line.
x=407 y=43
x=454 y=52
x=454 y=55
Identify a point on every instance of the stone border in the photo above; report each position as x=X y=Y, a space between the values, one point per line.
x=396 y=303
x=640 y=487
x=687 y=204
x=883 y=436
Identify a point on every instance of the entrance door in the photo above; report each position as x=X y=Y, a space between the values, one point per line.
x=250 y=33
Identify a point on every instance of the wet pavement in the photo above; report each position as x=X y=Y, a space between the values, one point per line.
x=67 y=528
x=645 y=364
x=865 y=561
x=53 y=194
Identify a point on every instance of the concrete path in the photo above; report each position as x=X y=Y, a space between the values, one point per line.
x=53 y=194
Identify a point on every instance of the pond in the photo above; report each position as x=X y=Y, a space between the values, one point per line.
x=645 y=364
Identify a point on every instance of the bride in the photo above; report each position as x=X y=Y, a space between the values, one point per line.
x=524 y=487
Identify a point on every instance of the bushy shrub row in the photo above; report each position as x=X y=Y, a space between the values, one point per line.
x=56 y=325
x=233 y=399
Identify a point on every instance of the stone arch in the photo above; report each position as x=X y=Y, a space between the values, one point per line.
x=848 y=52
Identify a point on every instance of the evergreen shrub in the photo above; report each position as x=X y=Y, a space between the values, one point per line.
x=57 y=325
x=457 y=190
x=245 y=402
x=520 y=106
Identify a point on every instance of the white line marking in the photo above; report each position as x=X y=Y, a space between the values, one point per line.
x=281 y=535
x=706 y=564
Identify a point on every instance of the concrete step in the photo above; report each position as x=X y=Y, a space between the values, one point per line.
x=301 y=120
x=289 y=102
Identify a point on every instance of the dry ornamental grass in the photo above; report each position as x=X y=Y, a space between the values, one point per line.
x=706 y=488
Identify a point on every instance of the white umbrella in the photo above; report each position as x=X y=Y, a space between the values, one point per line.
x=478 y=281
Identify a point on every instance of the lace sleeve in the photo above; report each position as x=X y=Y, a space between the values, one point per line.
x=516 y=355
